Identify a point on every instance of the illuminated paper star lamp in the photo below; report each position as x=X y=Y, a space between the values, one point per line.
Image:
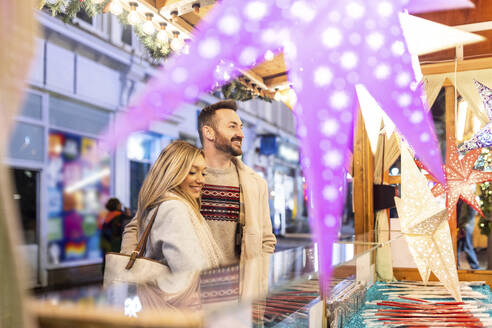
x=483 y=138
x=425 y=227
x=424 y=36
x=461 y=178
x=329 y=47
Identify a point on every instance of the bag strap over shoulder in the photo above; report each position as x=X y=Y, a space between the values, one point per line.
x=140 y=250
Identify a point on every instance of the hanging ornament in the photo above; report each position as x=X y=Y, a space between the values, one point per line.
x=52 y=2
x=484 y=137
x=425 y=226
x=461 y=178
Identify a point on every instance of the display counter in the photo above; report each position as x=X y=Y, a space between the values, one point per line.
x=279 y=290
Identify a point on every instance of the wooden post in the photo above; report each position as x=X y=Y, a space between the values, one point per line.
x=363 y=174
x=450 y=99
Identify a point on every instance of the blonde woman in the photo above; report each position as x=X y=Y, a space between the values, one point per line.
x=180 y=237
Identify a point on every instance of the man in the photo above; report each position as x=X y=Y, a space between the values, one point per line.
x=234 y=198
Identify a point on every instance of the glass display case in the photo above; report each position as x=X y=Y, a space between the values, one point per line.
x=280 y=290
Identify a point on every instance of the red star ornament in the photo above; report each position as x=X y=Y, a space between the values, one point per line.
x=461 y=178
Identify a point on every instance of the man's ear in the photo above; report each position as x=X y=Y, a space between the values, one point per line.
x=208 y=133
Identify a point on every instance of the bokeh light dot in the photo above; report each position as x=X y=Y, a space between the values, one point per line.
x=355 y=10
x=229 y=24
x=330 y=193
x=375 y=40
x=349 y=60
x=330 y=221
x=416 y=117
x=179 y=75
x=329 y=127
x=339 y=100
x=323 y=76
x=256 y=10
x=209 y=48
x=382 y=71
x=331 y=37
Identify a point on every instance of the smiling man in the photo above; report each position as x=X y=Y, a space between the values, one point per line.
x=234 y=197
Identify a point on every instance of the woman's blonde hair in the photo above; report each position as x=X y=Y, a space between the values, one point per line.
x=169 y=170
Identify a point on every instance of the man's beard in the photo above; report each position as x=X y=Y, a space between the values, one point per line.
x=221 y=143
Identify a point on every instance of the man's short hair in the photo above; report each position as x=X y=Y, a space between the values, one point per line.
x=207 y=114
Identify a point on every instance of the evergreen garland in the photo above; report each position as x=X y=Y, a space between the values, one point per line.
x=156 y=49
x=484 y=164
x=238 y=91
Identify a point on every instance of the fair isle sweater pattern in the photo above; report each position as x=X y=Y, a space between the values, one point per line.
x=220 y=203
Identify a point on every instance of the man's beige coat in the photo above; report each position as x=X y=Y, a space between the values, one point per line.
x=258 y=238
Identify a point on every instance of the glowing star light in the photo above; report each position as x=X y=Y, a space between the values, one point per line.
x=484 y=137
x=461 y=178
x=329 y=47
x=425 y=227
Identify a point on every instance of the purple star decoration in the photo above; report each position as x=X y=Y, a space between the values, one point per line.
x=483 y=138
x=329 y=46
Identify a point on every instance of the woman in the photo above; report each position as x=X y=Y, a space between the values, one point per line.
x=179 y=237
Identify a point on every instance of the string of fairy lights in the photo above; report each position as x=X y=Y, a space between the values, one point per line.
x=151 y=23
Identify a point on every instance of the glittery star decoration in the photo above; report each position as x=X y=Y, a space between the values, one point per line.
x=329 y=47
x=425 y=227
x=461 y=178
x=483 y=138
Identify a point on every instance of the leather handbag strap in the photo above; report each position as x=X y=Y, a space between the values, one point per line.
x=140 y=250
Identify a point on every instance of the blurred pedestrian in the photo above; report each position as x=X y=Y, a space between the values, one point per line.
x=112 y=227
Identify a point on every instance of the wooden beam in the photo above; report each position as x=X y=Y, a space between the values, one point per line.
x=255 y=78
x=448 y=67
x=278 y=80
x=412 y=274
x=363 y=169
x=450 y=100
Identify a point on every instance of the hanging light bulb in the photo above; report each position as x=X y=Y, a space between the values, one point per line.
x=133 y=17
x=148 y=26
x=177 y=43
x=116 y=8
x=162 y=35
x=196 y=7
x=277 y=95
x=174 y=15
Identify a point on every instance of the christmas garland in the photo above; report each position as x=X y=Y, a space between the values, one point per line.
x=157 y=51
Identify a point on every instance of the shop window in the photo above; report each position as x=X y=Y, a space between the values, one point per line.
x=27 y=142
x=126 y=34
x=33 y=106
x=142 y=151
x=78 y=117
x=25 y=197
x=138 y=172
x=78 y=182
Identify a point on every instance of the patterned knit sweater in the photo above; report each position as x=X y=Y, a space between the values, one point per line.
x=221 y=208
